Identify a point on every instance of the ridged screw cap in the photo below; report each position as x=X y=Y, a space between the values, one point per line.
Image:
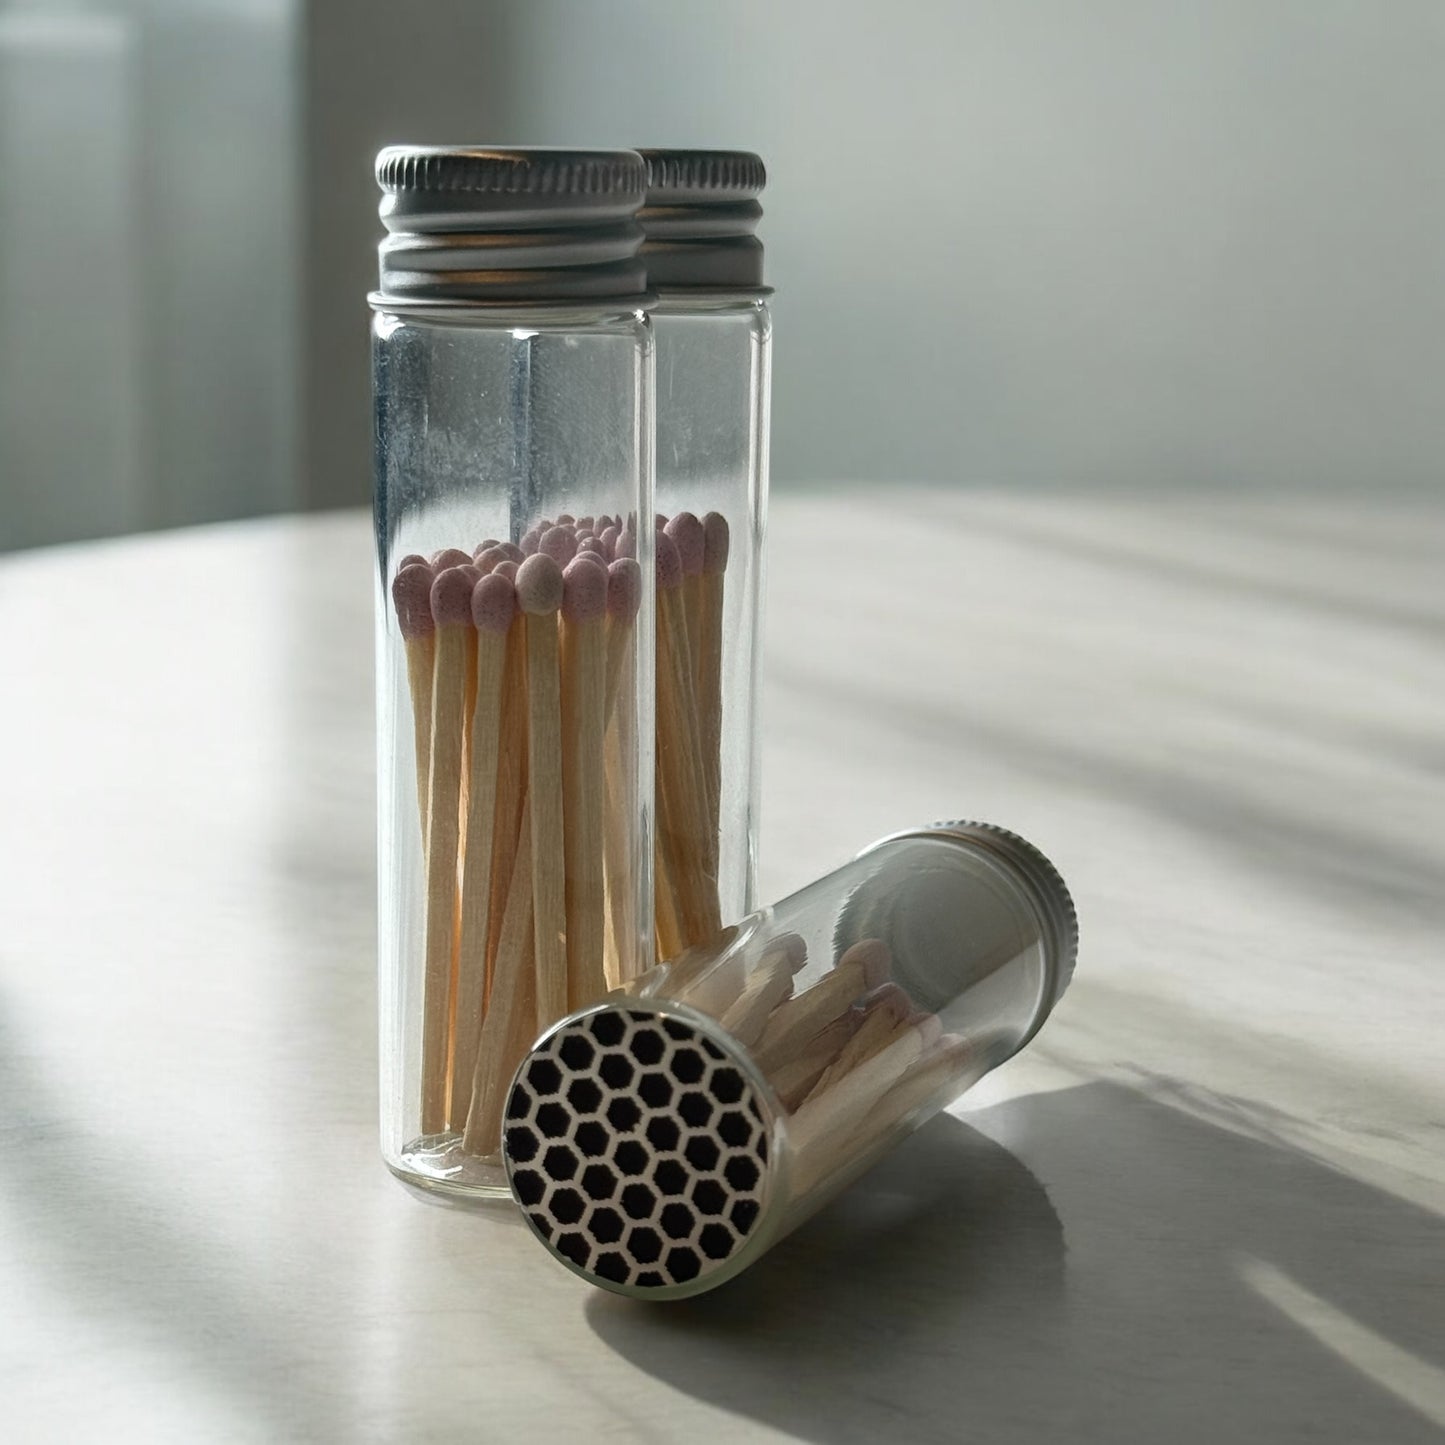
x=503 y=225
x=700 y=217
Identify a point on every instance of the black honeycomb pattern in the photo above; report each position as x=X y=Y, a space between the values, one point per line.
x=637 y=1147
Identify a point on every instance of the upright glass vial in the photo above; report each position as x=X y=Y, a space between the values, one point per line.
x=513 y=387
x=662 y=1140
x=713 y=344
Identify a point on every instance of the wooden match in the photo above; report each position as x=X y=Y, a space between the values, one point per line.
x=493 y=605
x=451 y=606
x=709 y=669
x=411 y=596
x=624 y=599
x=860 y=970
x=539 y=595
x=584 y=697
x=680 y=805
x=511 y=1022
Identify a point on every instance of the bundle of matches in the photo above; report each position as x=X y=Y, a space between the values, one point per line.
x=691 y=560
x=513 y=655
x=692 y=556
x=848 y=1058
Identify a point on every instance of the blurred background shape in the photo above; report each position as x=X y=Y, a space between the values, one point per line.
x=1124 y=246
x=148 y=265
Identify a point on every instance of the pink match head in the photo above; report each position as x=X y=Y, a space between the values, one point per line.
x=659 y=522
x=624 y=589
x=513 y=551
x=560 y=544
x=494 y=600
x=487 y=561
x=588 y=545
x=626 y=544
x=566 y=519
x=449 y=557
x=482 y=547
x=669 y=564
x=411 y=595
x=530 y=538
x=412 y=559
x=608 y=538
x=584 y=589
x=717 y=539
x=507 y=569
x=451 y=595
x=584 y=524
x=539 y=585
x=686 y=532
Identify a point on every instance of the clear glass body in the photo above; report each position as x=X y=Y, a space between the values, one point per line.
x=514 y=704
x=713 y=395
x=723 y=1097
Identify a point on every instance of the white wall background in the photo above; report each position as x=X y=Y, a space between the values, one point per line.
x=1138 y=243
x=1132 y=244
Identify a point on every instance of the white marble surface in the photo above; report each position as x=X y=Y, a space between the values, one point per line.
x=1208 y=1204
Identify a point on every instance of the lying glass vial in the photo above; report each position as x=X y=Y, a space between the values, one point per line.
x=660 y=1141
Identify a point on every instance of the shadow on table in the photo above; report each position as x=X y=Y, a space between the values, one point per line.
x=1202 y=1286
x=167 y=1283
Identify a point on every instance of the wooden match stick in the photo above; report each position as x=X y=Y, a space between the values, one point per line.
x=709 y=669
x=798 y=1077
x=690 y=540
x=511 y=1023
x=624 y=599
x=493 y=605
x=451 y=606
x=951 y=1064
x=715 y=987
x=766 y=987
x=411 y=596
x=680 y=806
x=825 y=1117
x=861 y=969
x=508 y=826
x=884 y=1013
x=539 y=595
x=944 y=1068
x=584 y=699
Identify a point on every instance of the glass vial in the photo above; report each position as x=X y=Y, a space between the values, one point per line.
x=662 y=1140
x=714 y=336
x=513 y=386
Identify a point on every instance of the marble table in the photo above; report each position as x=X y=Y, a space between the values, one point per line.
x=1207 y=1205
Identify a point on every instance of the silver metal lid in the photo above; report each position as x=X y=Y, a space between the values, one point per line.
x=483 y=225
x=701 y=212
